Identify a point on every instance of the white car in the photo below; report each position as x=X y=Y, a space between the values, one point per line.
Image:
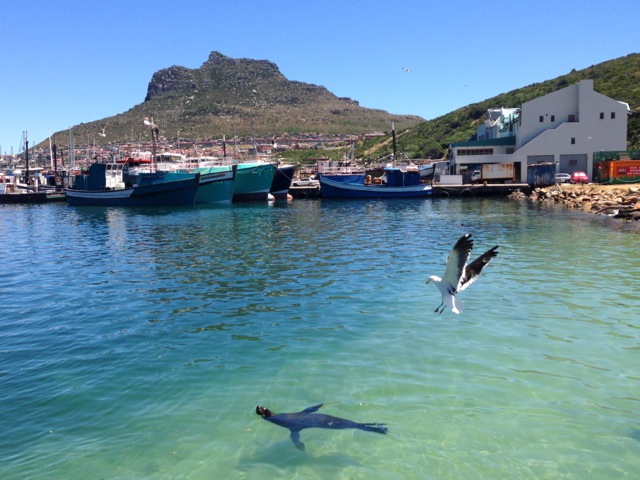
x=563 y=178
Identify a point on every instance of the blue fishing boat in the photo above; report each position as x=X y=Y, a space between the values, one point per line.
x=396 y=183
x=107 y=184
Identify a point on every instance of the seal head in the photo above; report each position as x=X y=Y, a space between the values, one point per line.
x=263 y=412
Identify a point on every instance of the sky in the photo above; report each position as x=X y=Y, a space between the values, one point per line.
x=65 y=62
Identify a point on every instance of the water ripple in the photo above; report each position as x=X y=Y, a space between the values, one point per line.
x=136 y=343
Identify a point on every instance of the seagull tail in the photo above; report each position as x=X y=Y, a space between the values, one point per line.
x=456 y=305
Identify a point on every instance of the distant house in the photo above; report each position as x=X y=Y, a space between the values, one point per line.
x=564 y=127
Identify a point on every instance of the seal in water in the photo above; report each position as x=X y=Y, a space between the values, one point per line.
x=308 y=419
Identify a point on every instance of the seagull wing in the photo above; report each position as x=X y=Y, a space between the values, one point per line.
x=456 y=262
x=472 y=271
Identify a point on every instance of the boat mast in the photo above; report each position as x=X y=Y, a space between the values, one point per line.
x=50 y=151
x=54 y=150
x=26 y=156
x=224 y=148
x=154 y=138
x=393 y=134
x=72 y=151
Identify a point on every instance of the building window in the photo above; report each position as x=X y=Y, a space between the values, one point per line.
x=572 y=118
x=613 y=115
x=553 y=118
x=541 y=118
x=601 y=115
x=475 y=151
x=573 y=140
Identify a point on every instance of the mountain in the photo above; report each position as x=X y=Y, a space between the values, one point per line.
x=241 y=96
x=618 y=79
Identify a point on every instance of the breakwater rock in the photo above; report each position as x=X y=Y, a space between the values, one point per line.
x=614 y=200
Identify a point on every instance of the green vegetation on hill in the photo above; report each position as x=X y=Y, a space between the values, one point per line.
x=242 y=97
x=246 y=97
x=618 y=79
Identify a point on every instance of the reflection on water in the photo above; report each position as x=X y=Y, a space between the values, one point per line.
x=136 y=343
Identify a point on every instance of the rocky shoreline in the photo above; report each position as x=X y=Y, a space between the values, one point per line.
x=619 y=201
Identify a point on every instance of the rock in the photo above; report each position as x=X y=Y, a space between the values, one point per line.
x=593 y=199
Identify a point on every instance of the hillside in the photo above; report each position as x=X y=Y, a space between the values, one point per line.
x=618 y=79
x=241 y=96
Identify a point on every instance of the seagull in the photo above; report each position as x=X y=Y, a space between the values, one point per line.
x=102 y=134
x=405 y=69
x=458 y=275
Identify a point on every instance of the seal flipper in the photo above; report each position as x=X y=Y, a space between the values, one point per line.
x=315 y=408
x=373 y=427
x=295 y=438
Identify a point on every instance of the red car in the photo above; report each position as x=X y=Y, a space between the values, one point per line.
x=579 y=177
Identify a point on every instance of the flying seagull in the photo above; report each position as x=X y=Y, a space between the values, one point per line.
x=458 y=275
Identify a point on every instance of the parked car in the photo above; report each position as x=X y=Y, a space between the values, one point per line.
x=563 y=178
x=579 y=177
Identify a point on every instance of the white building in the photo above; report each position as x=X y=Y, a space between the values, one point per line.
x=564 y=127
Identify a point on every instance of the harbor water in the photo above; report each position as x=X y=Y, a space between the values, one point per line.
x=136 y=344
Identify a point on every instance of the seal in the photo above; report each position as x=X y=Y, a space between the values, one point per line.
x=307 y=418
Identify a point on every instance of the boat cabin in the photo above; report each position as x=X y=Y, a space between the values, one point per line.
x=399 y=177
x=102 y=176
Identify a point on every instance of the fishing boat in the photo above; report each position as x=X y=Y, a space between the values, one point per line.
x=282 y=179
x=27 y=187
x=14 y=192
x=216 y=184
x=216 y=187
x=252 y=179
x=106 y=185
x=396 y=183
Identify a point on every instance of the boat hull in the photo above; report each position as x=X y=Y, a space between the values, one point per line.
x=169 y=193
x=253 y=181
x=282 y=179
x=31 y=197
x=330 y=188
x=216 y=187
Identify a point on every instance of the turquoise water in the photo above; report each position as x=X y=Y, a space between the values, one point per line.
x=135 y=344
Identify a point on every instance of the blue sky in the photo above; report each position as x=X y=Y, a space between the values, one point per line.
x=64 y=62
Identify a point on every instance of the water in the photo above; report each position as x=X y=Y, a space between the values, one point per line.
x=135 y=344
